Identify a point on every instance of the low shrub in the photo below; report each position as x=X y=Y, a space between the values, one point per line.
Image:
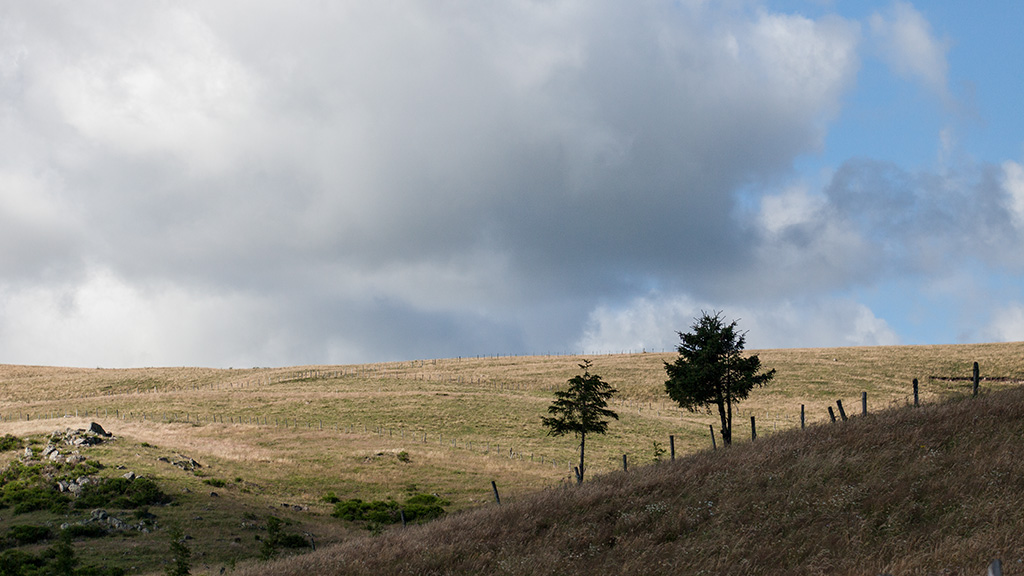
x=85 y=531
x=24 y=498
x=21 y=534
x=424 y=507
x=121 y=493
x=9 y=442
x=355 y=510
x=277 y=538
x=417 y=508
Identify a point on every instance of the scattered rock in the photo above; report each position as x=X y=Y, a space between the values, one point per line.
x=184 y=462
x=75 y=487
x=28 y=453
x=81 y=437
x=187 y=464
x=214 y=494
x=129 y=476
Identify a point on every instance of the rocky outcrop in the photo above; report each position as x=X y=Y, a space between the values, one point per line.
x=101 y=518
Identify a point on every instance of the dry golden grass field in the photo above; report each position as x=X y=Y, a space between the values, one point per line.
x=275 y=441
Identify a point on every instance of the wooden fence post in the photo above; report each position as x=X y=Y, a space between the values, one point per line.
x=976 y=378
x=713 y=445
x=753 y=429
x=803 y=420
x=842 y=413
x=832 y=414
x=916 y=402
x=495 y=488
x=625 y=465
x=864 y=403
x=672 y=447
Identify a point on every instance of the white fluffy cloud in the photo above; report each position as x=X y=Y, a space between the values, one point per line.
x=908 y=44
x=103 y=321
x=1007 y=324
x=1013 y=184
x=651 y=323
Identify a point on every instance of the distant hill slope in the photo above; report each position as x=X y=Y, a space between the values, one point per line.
x=932 y=490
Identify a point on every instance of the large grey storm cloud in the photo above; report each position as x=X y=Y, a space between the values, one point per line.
x=259 y=183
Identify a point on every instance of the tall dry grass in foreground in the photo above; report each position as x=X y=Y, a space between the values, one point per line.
x=933 y=490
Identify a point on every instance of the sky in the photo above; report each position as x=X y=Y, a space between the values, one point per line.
x=247 y=183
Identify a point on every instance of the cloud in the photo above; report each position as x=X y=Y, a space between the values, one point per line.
x=1013 y=184
x=104 y=321
x=1007 y=324
x=360 y=181
x=651 y=323
x=386 y=180
x=907 y=43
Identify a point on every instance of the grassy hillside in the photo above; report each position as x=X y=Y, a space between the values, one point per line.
x=932 y=490
x=275 y=441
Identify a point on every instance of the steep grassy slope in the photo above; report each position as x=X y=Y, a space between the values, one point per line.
x=933 y=490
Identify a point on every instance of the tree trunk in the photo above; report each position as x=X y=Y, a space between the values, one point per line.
x=583 y=445
x=726 y=422
x=728 y=400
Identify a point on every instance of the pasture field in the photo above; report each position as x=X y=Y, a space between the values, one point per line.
x=275 y=441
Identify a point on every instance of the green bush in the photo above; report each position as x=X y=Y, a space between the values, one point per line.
x=9 y=442
x=58 y=559
x=356 y=510
x=277 y=538
x=215 y=482
x=21 y=534
x=121 y=493
x=424 y=507
x=85 y=531
x=22 y=498
x=417 y=508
